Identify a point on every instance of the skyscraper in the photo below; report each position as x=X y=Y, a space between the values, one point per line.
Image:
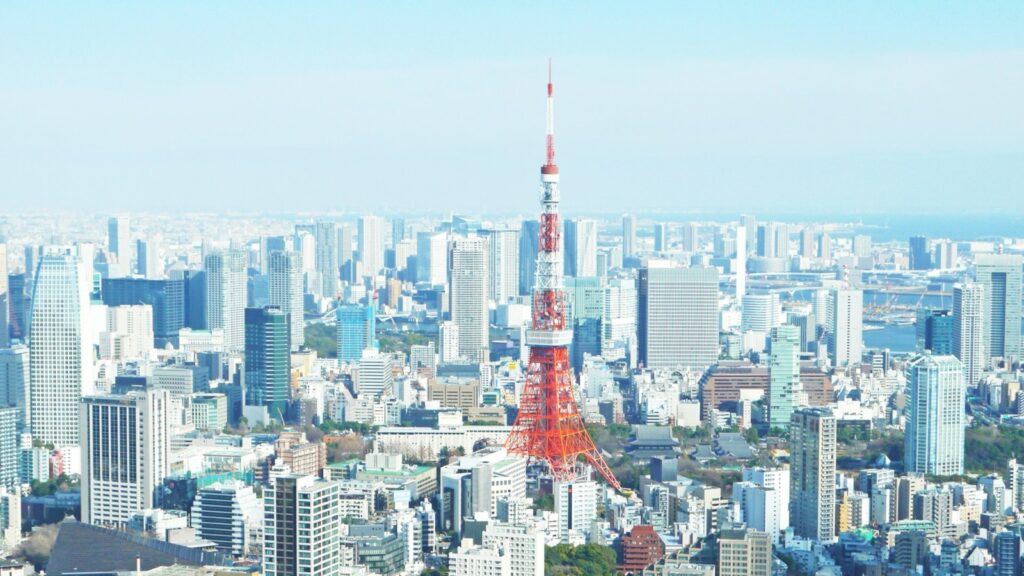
x=225 y=513
x=327 y=258
x=503 y=263
x=61 y=367
x=357 y=331
x=529 y=233
x=292 y=505
x=575 y=507
x=119 y=238
x=18 y=306
x=226 y=296
x=580 y=247
x=431 y=258
x=125 y=454
x=268 y=360
x=807 y=248
x=371 y=244
x=660 y=237
x=285 y=279
x=14 y=381
x=149 y=259
x=920 y=254
x=628 y=236
x=934 y=435
x=935 y=331
x=784 y=388
x=5 y=297
x=468 y=285
x=691 y=236
x=678 y=317
x=845 y=326
x=969 y=329
x=812 y=437
x=9 y=450
x=1000 y=274
x=346 y=247
x=761 y=312
x=167 y=297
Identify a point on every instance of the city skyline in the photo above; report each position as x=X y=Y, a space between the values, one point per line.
x=899 y=108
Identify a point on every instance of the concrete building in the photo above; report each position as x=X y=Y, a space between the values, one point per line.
x=935 y=415
x=845 y=326
x=292 y=505
x=125 y=454
x=432 y=258
x=575 y=508
x=468 y=282
x=371 y=244
x=61 y=367
x=1000 y=274
x=227 y=513
x=285 y=279
x=744 y=553
x=503 y=264
x=524 y=545
x=812 y=473
x=678 y=317
x=969 y=330
x=226 y=296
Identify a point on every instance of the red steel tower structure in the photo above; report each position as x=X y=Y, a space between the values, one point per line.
x=549 y=426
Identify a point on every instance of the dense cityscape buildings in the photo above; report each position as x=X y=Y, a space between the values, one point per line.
x=316 y=391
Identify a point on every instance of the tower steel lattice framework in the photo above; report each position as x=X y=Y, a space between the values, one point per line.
x=549 y=426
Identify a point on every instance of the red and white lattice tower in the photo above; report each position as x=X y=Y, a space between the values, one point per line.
x=549 y=427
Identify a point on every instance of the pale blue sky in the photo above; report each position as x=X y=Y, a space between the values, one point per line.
x=438 y=106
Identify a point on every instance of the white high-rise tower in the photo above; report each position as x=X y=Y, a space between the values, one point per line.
x=61 y=358
x=226 y=296
x=285 y=279
x=468 y=285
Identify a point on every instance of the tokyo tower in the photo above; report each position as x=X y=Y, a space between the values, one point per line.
x=548 y=426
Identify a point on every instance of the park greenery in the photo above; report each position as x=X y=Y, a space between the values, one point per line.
x=322 y=339
x=586 y=560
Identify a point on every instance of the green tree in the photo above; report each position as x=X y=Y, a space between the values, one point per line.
x=586 y=560
x=322 y=339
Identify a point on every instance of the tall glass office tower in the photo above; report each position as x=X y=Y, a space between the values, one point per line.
x=267 y=360
x=784 y=388
x=285 y=271
x=356 y=331
x=1000 y=274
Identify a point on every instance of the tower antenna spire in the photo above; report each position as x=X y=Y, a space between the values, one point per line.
x=549 y=427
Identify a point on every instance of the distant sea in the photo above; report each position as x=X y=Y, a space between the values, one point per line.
x=888 y=227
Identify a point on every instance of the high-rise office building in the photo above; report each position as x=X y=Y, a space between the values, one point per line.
x=628 y=236
x=862 y=246
x=166 y=297
x=740 y=263
x=119 y=238
x=448 y=342
x=468 y=285
x=346 y=253
x=761 y=312
x=375 y=377
x=807 y=245
x=744 y=552
x=5 y=297
x=935 y=329
x=503 y=264
x=845 y=326
x=14 y=382
x=285 y=279
x=357 y=331
x=784 y=388
x=766 y=239
x=580 y=247
x=371 y=244
x=678 y=317
x=619 y=317
x=61 y=367
x=969 y=329
x=432 y=258
x=1000 y=274
x=125 y=454
x=226 y=295
x=9 y=448
x=660 y=238
x=529 y=235
x=17 y=299
x=920 y=253
x=397 y=230
x=524 y=545
x=128 y=333
x=149 y=261
x=691 y=237
x=825 y=246
x=575 y=507
x=225 y=513
x=812 y=437
x=327 y=266
x=934 y=435
x=268 y=360
x=302 y=526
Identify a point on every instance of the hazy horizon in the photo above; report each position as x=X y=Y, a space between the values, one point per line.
x=661 y=108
